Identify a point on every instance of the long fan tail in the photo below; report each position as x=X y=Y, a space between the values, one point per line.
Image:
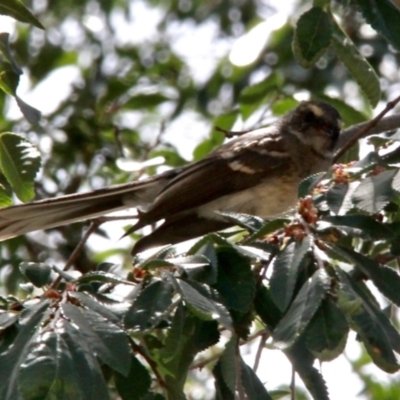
x=43 y=214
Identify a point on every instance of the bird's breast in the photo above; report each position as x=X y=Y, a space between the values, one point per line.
x=268 y=199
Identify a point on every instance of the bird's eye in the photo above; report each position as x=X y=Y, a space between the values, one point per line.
x=309 y=117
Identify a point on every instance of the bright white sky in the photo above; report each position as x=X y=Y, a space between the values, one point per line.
x=201 y=49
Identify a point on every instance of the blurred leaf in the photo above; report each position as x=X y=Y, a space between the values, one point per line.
x=384 y=18
x=386 y=279
x=150 y=306
x=19 y=162
x=374 y=192
x=286 y=270
x=207 y=146
x=140 y=101
x=9 y=80
x=367 y=321
x=358 y=66
x=15 y=9
x=37 y=273
x=5 y=198
x=256 y=95
x=30 y=113
x=302 y=309
x=6 y=51
x=312 y=36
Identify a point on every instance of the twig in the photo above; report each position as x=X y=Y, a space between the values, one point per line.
x=293 y=385
x=93 y=226
x=349 y=137
x=260 y=348
x=230 y=134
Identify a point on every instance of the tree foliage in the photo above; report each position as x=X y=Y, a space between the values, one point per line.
x=76 y=325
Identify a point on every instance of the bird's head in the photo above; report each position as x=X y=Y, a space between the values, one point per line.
x=316 y=124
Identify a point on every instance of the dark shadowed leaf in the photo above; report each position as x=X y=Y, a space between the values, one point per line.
x=15 y=9
x=367 y=320
x=107 y=340
x=37 y=273
x=200 y=304
x=252 y=385
x=285 y=272
x=338 y=199
x=150 y=306
x=361 y=225
x=302 y=361
x=303 y=308
x=11 y=360
x=374 y=192
x=236 y=282
x=136 y=384
x=326 y=334
x=386 y=279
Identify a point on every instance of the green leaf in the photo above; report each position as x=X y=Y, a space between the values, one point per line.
x=15 y=9
x=255 y=96
x=86 y=370
x=5 y=198
x=302 y=361
x=19 y=162
x=8 y=81
x=252 y=385
x=11 y=360
x=286 y=271
x=266 y=308
x=384 y=18
x=236 y=282
x=327 y=332
x=312 y=36
x=103 y=277
x=386 y=279
x=107 y=340
x=269 y=227
x=201 y=306
x=136 y=384
x=249 y=222
x=374 y=192
x=338 y=199
x=140 y=101
x=225 y=370
x=207 y=146
x=149 y=306
x=302 y=309
x=361 y=226
x=37 y=273
x=6 y=51
x=358 y=66
x=368 y=322
x=309 y=183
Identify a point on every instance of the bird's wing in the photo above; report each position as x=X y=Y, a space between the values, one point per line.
x=49 y=213
x=233 y=168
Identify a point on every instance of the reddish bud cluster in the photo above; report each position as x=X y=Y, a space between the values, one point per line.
x=308 y=212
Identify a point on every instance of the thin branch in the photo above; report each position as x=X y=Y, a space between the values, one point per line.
x=93 y=226
x=293 y=385
x=377 y=125
x=260 y=348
